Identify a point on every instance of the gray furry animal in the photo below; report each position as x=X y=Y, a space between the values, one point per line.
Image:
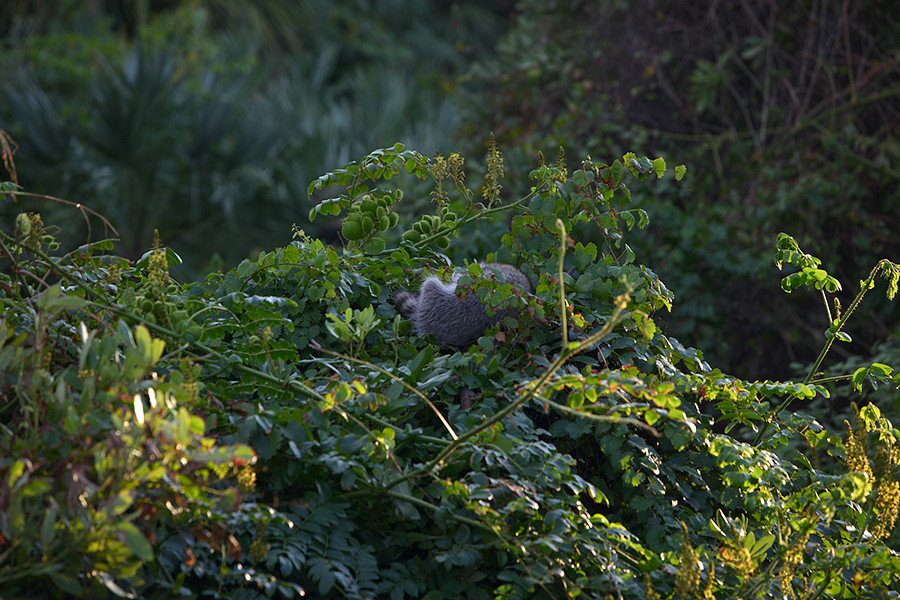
x=453 y=320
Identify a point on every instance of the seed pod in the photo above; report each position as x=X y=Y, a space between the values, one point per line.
x=352 y=229
x=375 y=246
x=367 y=205
x=23 y=224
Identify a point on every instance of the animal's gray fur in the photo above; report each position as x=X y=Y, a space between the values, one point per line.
x=454 y=321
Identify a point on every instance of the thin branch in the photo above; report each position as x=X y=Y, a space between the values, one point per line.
x=815 y=368
x=387 y=373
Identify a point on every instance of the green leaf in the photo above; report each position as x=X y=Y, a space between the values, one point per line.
x=183 y=427
x=66 y=583
x=842 y=336
x=135 y=541
x=676 y=414
x=15 y=472
x=291 y=254
x=582 y=178
x=348 y=480
x=879 y=369
x=576 y=399
x=859 y=376
x=68 y=302
x=761 y=546
x=118 y=503
x=617 y=171
x=418 y=363
x=48 y=526
x=151 y=349
x=375 y=246
x=338 y=328
x=15 y=517
x=52 y=299
x=791 y=282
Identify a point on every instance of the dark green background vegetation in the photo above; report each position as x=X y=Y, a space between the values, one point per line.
x=206 y=122
x=211 y=118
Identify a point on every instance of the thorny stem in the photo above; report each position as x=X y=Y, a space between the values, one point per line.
x=866 y=285
x=433 y=508
x=387 y=373
x=859 y=296
x=469 y=217
x=562 y=292
x=827 y=308
x=85 y=211
x=607 y=418
x=426 y=438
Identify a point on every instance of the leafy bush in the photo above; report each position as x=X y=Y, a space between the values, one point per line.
x=575 y=449
x=102 y=451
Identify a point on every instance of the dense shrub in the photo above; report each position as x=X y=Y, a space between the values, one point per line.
x=575 y=449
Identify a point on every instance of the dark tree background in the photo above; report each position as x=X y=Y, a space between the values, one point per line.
x=207 y=120
x=785 y=114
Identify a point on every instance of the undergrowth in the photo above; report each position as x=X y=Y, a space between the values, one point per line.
x=277 y=429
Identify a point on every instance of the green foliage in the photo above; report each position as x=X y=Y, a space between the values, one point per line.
x=276 y=429
x=785 y=115
x=207 y=121
x=156 y=140
x=97 y=447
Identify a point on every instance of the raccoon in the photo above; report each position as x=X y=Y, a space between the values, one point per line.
x=454 y=321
